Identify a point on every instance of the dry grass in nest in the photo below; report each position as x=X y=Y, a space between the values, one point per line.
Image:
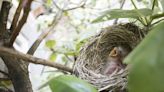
x=93 y=56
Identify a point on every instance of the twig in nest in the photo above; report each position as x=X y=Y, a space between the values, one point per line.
x=119 y=76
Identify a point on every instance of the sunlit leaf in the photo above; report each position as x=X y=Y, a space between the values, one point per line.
x=119 y=13
x=53 y=56
x=80 y=44
x=147 y=63
x=68 y=83
x=48 y=3
x=50 y=43
x=65 y=13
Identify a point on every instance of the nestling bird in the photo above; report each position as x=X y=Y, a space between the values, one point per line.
x=114 y=61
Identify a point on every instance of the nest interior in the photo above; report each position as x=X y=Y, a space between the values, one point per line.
x=94 y=54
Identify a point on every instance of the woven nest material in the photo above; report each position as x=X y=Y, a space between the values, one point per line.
x=93 y=56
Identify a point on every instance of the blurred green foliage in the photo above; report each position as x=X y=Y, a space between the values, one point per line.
x=119 y=13
x=50 y=43
x=69 y=83
x=147 y=66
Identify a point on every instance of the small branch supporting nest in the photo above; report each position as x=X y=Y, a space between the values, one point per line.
x=28 y=58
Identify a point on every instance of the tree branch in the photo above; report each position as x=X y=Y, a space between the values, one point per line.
x=3 y=17
x=16 y=16
x=80 y=6
x=18 y=70
x=26 y=7
x=29 y=58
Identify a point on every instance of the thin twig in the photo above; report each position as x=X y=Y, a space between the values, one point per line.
x=134 y=4
x=51 y=28
x=151 y=19
x=154 y=1
x=68 y=57
x=62 y=53
x=81 y=6
x=139 y=19
x=42 y=70
x=29 y=58
x=56 y=71
x=56 y=5
x=121 y=6
x=45 y=34
x=6 y=74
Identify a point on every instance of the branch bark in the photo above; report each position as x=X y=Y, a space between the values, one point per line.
x=3 y=17
x=29 y=58
x=16 y=16
x=26 y=4
x=17 y=69
x=18 y=73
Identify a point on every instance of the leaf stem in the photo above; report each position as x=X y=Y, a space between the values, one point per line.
x=134 y=4
x=154 y=1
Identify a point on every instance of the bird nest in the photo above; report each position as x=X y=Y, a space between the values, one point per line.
x=93 y=56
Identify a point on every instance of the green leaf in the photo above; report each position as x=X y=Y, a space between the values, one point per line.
x=80 y=44
x=69 y=83
x=53 y=56
x=50 y=43
x=119 y=13
x=147 y=63
x=48 y=3
x=65 y=13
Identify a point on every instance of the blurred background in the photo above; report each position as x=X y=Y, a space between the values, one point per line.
x=68 y=25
